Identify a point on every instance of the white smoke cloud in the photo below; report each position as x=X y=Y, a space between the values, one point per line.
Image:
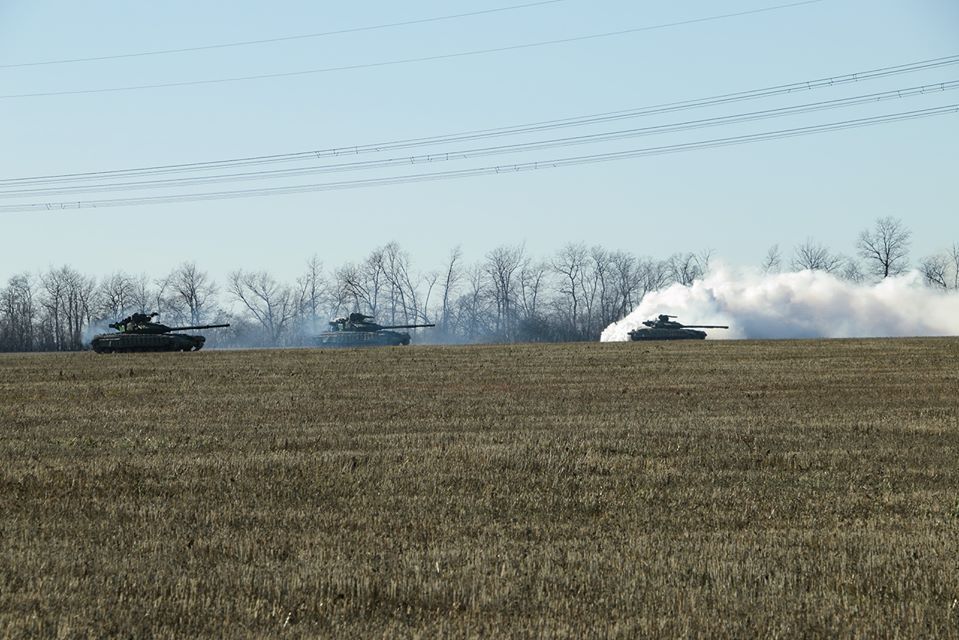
x=805 y=304
x=93 y=330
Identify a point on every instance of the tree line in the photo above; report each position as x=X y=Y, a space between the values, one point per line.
x=507 y=296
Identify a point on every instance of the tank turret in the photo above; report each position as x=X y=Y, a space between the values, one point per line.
x=359 y=330
x=138 y=332
x=665 y=328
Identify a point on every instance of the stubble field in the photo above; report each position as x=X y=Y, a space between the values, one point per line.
x=767 y=489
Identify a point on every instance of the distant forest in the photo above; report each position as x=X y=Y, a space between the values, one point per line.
x=507 y=296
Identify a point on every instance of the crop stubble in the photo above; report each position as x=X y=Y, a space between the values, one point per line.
x=735 y=488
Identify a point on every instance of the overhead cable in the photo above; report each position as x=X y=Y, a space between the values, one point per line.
x=387 y=63
x=464 y=154
x=303 y=36
x=483 y=171
x=477 y=134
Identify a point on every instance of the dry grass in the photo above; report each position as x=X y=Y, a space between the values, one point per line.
x=608 y=490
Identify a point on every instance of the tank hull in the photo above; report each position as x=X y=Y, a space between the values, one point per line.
x=145 y=342
x=361 y=339
x=642 y=335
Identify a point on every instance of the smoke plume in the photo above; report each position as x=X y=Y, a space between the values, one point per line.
x=805 y=304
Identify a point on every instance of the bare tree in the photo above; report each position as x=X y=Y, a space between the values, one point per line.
x=942 y=269
x=885 y=248
x=532 y=281
x=954 y=258
x=773 y=262
x=450 y=282
x=627 y=282
x=501 y=266
x=191 y=292
x=362 y=284
x=338 y=300
x=703 y=258
x=655 y=274
x=162 y=301
x=815 y=257
x=271 y=303
x=429 y=281
x=116 y=295
x=851 y=271
x=17 y=314
x=402 y=289
x=935 y=271
x=67 y=300
x=311 y=292
x=473 y=307
x=142 y=297
x=686 y=268
x=570 y=266
x=598 y=292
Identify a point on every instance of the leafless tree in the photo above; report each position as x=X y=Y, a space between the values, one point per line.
x=686 y=268
x=162 y=301
x=362 y=284
x=851 y=271
x=599 y=292
x=142 y=297
x=67 y=300
x=773 y=261
x=191 y=292
x=885 y=247
x=815 y=257
x=627 y=282
x=312 y=291
x=450 y=282
x=401 y=286
x=338 y=301
x=116 y=295
x=942 y=269
x=935 y=271
x=501 y=266
x=532 y=282
x=271 y=303
x=703 y=258
x=17 y=314
x=473 y=307
x=428 y=280
x=570 y=267
x=655 y=274
x=954 y=259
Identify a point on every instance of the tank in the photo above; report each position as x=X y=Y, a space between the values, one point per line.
x=139 y=333
x=664 y=328
x=359 y=330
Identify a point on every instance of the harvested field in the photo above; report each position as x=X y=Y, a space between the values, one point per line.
x=769 y=489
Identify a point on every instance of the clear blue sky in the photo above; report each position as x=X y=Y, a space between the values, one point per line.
x=737 y=201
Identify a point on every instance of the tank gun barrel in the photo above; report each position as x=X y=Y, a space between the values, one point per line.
x=200 y=326
x=706 y=326
x=407 y=326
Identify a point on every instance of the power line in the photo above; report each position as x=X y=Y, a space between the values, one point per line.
x=491 y=170
x=304 y=36
x=540 y=145
x=386 y=63
x=806 y=85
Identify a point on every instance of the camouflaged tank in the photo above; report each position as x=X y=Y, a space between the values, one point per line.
x=358 y=330
x=139 y=334
x=662 y=328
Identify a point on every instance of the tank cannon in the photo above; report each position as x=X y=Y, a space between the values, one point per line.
x=665 y=328
x=138 y=332
x=359 y=330
x=155 y=328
